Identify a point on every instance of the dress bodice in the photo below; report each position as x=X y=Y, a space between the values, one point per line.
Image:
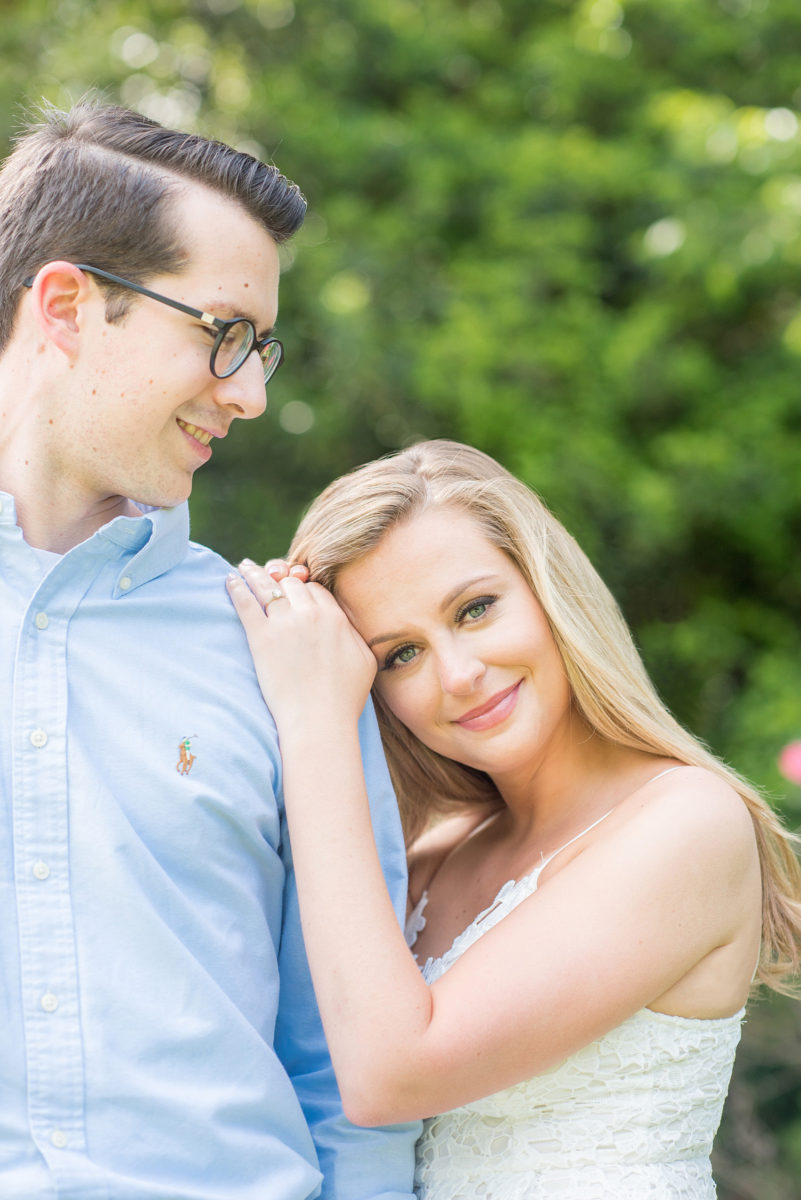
x=632 y=1116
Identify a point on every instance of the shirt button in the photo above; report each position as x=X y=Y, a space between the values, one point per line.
x=49 y=1002
x=41 y=870
x=38 y=738
x=59 y=1138
x=125 y=583
x=41 y=621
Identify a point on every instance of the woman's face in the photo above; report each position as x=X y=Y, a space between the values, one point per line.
x=466 y=658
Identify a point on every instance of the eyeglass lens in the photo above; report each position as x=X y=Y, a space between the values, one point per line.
x=270 y=356
x=236 y=344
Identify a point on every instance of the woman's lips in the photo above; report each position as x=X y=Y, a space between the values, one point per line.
x=495 y=710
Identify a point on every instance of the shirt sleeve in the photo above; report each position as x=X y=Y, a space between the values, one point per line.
x=357 y=1163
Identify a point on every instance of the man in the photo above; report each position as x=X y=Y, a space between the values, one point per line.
x=145 y=877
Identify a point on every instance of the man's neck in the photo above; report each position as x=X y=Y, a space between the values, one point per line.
x=50 y=525
x=56 y=508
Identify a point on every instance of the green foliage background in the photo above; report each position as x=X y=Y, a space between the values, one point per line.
x=568 y=231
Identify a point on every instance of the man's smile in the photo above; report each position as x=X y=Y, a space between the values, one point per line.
x=200 y=435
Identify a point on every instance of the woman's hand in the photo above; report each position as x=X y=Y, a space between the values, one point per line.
x=279 y=568
x=311 y=663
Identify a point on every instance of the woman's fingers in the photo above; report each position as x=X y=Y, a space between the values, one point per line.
x=297 y=632
x=279 y=568
x=265 y=587
x=248 y=606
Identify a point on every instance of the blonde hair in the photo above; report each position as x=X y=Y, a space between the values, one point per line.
x=609 y=684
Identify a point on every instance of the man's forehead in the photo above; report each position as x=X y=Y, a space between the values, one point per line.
x=227 y=310
x=232 y=265
x=216 y=224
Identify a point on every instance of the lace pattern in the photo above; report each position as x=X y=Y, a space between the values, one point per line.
x=632 y=1116
x=416 y=922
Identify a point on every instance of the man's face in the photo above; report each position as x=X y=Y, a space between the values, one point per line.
x=135 y=416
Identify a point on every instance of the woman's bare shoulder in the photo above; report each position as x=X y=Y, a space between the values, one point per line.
x=427 y=853
x=695 y=808
x=705 y=795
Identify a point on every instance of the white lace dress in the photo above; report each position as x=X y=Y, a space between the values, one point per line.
x=630 y=1117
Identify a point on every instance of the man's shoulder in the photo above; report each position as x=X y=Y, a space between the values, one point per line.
x=197 y=582
x=203 y=558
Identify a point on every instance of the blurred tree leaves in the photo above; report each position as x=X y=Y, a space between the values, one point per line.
x=569 y=232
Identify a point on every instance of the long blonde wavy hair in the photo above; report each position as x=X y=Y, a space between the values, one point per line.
x=608 y=681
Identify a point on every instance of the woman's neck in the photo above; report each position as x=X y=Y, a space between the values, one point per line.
x=573 y=784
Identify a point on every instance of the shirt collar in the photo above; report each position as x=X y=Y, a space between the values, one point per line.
x=159 y=539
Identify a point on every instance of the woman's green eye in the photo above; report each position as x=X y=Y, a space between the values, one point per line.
x=474 y=610
x=400 y=657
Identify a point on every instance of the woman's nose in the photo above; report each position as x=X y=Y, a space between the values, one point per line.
x=460 y=671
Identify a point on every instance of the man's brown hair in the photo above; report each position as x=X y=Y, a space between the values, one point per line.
x=95 y=183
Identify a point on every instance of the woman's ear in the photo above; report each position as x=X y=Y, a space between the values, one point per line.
x=57 y=298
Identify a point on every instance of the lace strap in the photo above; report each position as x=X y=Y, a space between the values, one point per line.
x=544 y=861
x=653 y=779
x=416 y=922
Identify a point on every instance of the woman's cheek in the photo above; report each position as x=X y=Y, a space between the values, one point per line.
x=403 y=700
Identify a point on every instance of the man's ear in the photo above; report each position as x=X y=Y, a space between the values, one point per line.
x=59 y=293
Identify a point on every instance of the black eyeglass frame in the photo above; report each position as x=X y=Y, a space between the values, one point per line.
x=219 y=323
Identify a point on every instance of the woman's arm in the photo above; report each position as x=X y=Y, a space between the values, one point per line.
x=608 y=934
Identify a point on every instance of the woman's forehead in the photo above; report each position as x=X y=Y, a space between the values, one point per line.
x=419 y=561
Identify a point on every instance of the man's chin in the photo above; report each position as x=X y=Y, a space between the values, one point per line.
x=163 y=499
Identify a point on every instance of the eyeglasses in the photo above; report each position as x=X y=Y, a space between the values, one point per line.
x=235 y=338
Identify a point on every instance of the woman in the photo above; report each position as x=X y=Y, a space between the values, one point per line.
x=592 y=910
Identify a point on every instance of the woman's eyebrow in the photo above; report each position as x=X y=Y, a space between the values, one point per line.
x=446 y=603
x=384 y=637
x=468 y=583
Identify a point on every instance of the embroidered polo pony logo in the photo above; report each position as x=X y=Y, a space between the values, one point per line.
x=185 y=756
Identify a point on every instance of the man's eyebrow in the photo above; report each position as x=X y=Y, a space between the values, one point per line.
x=446 y=603
x=220 y=308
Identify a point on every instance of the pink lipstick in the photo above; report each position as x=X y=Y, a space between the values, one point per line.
x=493 y=711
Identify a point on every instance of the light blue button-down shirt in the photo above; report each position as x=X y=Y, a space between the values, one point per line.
x=147 y=896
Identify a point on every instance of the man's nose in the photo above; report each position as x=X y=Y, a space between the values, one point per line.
x=244 y=391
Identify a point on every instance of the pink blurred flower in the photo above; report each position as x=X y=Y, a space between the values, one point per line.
x=790 y=762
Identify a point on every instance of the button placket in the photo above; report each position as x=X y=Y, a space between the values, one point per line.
x=48 y=960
